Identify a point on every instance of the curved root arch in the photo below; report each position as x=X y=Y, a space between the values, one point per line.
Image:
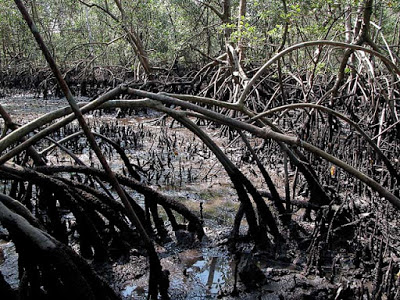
x=392 y=67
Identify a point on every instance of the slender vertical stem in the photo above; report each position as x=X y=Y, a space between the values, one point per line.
x=113 y=180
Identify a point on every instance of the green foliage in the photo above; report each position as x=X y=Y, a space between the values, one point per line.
x=247 y=32
x=171 y=29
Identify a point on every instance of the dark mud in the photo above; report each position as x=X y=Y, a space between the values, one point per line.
x=173 y=161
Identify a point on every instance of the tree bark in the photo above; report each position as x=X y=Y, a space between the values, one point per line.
x=241 y=22
x=154 y=261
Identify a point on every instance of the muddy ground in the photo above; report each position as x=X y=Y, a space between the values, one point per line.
x=174 y=162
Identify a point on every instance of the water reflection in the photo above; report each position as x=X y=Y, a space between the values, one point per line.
x=211 y=275
x=9 y=263
x=196 y=274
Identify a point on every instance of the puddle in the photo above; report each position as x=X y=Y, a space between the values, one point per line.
x=128 y=290
x=174 y=162
x=213 y=274
x=133 y=291
x=9 y=263
x=194 y=274
x=22 y=106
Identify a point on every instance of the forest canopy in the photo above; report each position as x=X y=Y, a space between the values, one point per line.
x=181 y=35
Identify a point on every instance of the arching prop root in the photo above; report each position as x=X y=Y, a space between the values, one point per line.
x=48 y=269
x=88 y=199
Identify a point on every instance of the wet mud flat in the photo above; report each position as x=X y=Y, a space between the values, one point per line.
x=171 y=160
x=208 y=270
x=200 y=273
x=24 y=106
